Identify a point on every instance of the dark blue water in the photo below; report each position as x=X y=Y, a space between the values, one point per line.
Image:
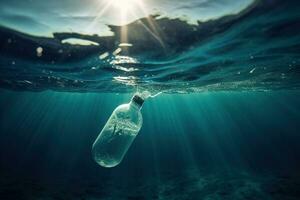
x=225 y=145
x=233 y=134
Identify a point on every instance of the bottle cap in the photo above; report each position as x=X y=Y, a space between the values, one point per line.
x=138 y=100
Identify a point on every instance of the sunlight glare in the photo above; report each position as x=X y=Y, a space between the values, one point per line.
x=124 y=5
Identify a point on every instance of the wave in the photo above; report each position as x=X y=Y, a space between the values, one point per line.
x=257 y=49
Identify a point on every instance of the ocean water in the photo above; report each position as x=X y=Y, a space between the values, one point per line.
x=225 y=126
x=223 y=145
x=257 y=49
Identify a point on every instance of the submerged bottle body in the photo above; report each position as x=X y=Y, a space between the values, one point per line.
x=117 y=135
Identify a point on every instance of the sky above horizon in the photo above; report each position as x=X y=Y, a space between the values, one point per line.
x=40 y=17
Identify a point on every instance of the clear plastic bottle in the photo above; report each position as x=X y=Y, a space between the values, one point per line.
x=118 y=133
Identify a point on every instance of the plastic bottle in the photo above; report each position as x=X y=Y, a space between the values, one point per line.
x=118 y=133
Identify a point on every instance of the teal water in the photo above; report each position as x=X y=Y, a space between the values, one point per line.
x=223 y=145
x=255 y=49
x=226 y=125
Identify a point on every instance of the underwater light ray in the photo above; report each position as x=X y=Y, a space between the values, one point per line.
x=25 y=121
x=250 y=118
x=123 y=18
x=183 y=128
x=152 y=24
x=124 y=36
x=229 y=138
x=124 y=13
x=202 y=112
x=154 y=142
x=155 y=34
x=107 y=5
x=86 y=103
x=171 y=114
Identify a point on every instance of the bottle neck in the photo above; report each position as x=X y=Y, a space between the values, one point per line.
x=137 y=101
x=135 y=105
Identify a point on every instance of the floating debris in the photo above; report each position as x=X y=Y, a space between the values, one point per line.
x=29 y=82
x=125 y=45
x=117 y=51
x=39 y=51
x=128 y=80
x=104 y=55
x=78 y=41
x=123 y=60
x=122 y=126
x=252 y=70
x=130 y=69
